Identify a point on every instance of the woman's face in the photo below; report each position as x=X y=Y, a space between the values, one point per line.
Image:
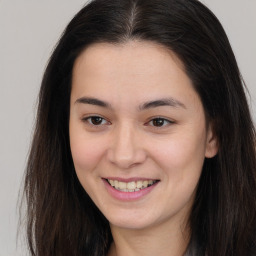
x=138 y=133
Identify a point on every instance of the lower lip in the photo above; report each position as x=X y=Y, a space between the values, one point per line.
x=128 y=196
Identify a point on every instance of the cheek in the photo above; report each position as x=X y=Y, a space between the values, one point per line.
x=85 y=155
x=182 y=155
x=181 y=162
x=86 y=150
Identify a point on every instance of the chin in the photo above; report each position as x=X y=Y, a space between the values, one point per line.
x=131 y=221
x=129 y=224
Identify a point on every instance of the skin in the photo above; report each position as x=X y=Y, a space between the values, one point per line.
x=128 y=142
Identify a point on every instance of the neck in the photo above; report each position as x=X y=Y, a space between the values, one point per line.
x=161 y=240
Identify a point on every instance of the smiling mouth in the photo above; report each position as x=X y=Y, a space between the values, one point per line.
x=132 y=186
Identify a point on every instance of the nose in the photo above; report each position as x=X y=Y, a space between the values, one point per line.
x=125 y=149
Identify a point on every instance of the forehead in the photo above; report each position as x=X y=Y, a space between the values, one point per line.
x=136 y=70
x=137 y=57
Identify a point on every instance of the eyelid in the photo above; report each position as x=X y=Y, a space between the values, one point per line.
x=169 y=122
x=87 y=117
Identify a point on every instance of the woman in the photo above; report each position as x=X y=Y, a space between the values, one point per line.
x=144 y=143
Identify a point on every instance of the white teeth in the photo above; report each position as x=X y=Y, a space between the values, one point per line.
x=145 y=183
x=122 y=185
x=131 y=186
x=139 y=184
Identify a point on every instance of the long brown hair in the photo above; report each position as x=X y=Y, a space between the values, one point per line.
x=62 y=219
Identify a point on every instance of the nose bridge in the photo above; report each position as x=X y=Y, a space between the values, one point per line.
x=126 y=149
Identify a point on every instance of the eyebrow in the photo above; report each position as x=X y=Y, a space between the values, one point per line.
x=93 y=101
x=162 y=102
x=147 y=105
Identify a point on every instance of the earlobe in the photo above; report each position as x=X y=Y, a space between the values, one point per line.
x=212 y=147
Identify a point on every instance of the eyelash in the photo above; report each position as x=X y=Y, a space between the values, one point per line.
x=163 y=121
x=90 y=118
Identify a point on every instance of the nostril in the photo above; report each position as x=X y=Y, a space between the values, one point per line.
x=125 y=159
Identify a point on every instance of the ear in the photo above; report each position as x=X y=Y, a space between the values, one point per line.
x=212 y=146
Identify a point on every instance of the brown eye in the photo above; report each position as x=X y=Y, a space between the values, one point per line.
x=159 y=122
x=95 y=120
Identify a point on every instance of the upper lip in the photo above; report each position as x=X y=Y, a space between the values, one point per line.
x=129 y=179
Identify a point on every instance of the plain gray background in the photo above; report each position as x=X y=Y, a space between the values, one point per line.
x=29 y=30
